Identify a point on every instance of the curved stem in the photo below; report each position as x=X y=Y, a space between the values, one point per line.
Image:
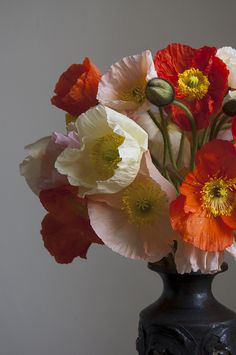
x=180 y=152
x=218 y=127
x=164 y=140
x=214 y=124
x=193 y=128
x=166 y=133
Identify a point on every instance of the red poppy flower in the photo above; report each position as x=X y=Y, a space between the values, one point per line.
x=66 y=229
x=199 y=78
x=234 y=129
x=205 y=212
x=77 y=88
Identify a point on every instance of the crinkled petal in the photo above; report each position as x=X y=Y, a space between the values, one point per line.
x=120 y=78
x=78 y=165
x=189 y=258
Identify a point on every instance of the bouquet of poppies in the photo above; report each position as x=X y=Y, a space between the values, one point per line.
x=147 y=162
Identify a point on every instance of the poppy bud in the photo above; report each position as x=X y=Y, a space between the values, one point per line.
x=160 y=92
x=229 y=104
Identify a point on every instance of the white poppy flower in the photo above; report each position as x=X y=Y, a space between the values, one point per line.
x=228 y=56
x=110 y=153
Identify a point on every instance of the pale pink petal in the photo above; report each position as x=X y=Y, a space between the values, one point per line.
x=158 y=239
x=148 y=168
x=38 y=168
x=189 y=258
x=70 y=141
x=121 y=77
x=30 y=168
x=115 y=231
x=225 y=134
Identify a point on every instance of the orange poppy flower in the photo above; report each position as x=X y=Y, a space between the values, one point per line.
x=66 y=229
x=205 y=212
x=77 y=87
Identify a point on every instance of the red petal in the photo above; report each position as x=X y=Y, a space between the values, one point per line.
x=217 y=158
x=204 y=58
x=67 y=241
x=172 y=60
x=234 y=129
x=77 y=87
x=63 y=203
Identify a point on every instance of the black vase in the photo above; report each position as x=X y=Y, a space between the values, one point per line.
x=186 y=319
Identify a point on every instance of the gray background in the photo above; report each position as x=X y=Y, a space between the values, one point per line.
x=90 y=307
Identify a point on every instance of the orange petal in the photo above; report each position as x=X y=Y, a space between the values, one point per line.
x=230 y=220
x=204 y=232
x=207 y=233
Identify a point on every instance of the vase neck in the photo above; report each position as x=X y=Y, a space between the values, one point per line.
x=187 y=290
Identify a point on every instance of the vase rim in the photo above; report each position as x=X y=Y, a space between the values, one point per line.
x=170 y=269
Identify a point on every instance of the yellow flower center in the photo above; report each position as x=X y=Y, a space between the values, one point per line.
x=136 y=93
x=105 y=155
x=144 y=202
x=193 y=83
x=218 y=196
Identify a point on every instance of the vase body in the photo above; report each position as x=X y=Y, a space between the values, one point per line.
x=186 y=319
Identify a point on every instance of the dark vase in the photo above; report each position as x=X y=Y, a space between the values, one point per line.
x=186 y=319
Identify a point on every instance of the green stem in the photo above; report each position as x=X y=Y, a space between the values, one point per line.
x=164 y=140
x=166 y=133
x=193 y=128
x=220 y=125
x=180 y=152
x=214 y=123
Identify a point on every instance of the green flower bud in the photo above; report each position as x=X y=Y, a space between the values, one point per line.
x=160 y=92
x=229 y=104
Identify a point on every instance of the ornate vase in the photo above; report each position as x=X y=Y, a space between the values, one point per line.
x=186 y=319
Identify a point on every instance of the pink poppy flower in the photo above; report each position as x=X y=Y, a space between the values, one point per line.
x=123 y=86
x=135 y=221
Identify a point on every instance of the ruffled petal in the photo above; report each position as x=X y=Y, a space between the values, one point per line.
x=129 y=73
x=77 y=87
x=189 y=258
x=78 y=164
x=115 y=231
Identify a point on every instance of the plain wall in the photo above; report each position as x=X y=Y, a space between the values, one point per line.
x=88 y=307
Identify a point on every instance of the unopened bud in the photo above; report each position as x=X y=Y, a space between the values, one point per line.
x=160 y=92
x=229 y=104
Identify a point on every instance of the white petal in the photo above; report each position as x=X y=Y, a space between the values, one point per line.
x=30 y=168
x=78 y=165
x=189 y=258
x=232 y=250
x=228 y=56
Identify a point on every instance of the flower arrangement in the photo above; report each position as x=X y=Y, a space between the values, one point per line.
x=147 y=165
